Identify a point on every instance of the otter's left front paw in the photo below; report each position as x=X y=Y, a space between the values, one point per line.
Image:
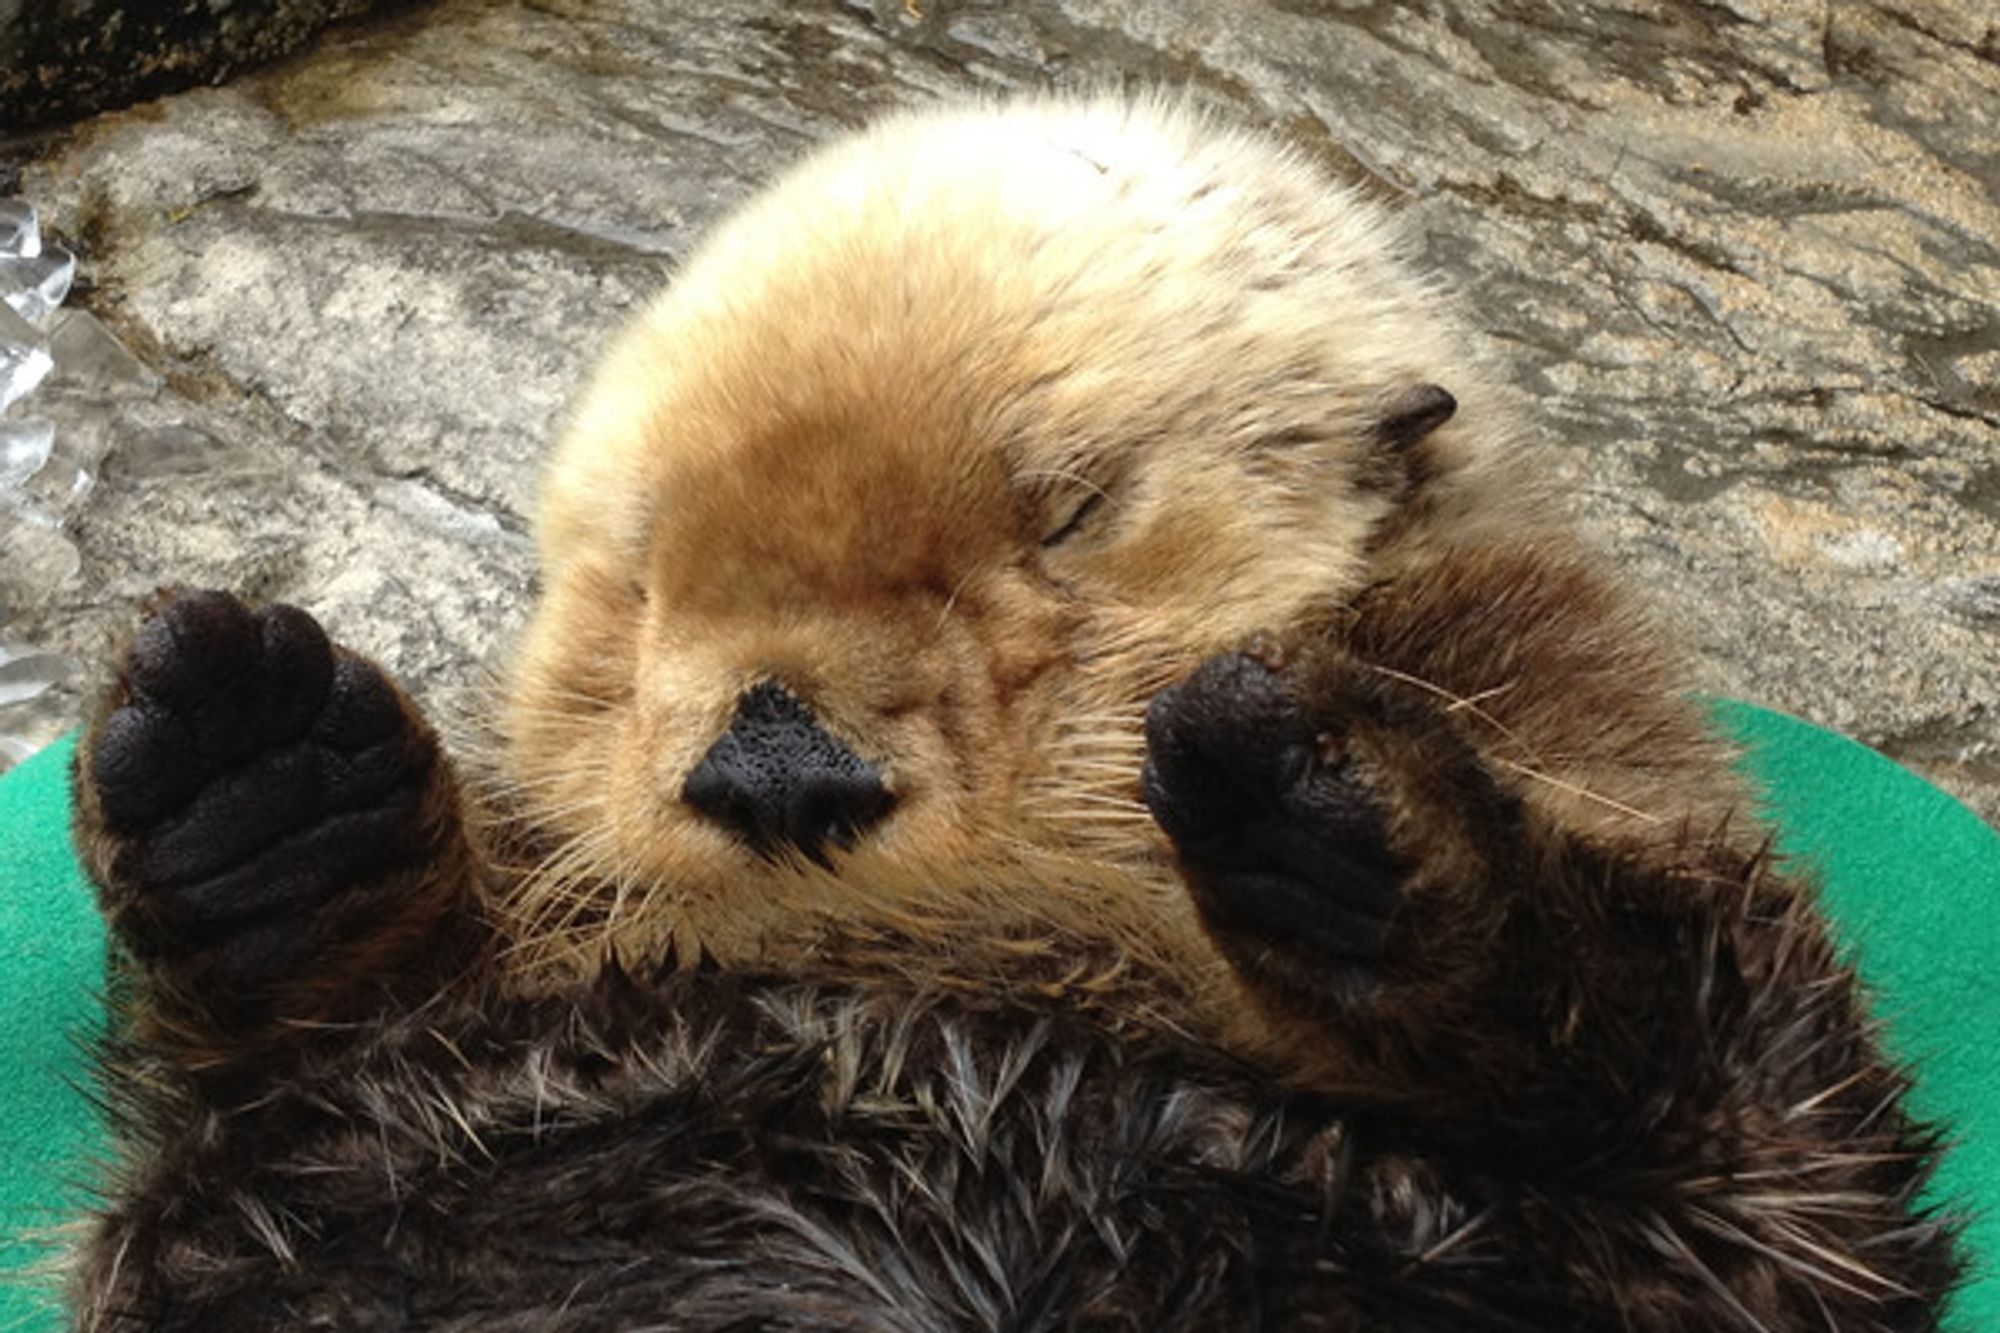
x=1282 y=839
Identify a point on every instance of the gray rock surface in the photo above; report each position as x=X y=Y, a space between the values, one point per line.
x=1744 y=257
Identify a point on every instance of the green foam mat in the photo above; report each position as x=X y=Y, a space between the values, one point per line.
x=54 y=946
x=1912 y=879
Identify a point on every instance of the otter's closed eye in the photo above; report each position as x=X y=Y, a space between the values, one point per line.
x=1073 y=520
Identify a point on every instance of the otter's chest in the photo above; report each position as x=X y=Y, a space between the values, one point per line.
x=709 y=1156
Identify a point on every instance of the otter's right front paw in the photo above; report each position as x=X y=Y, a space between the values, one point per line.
x=1283 y=841
x=249 y=795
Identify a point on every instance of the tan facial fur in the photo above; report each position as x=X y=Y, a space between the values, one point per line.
x=834 y=454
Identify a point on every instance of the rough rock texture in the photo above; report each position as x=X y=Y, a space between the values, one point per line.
x=65 y=58
x=1744 y=256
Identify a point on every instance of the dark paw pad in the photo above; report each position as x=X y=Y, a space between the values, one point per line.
x=1280 y=840
x=252 y=785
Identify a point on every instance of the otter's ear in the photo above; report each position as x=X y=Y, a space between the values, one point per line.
x=1412 y=414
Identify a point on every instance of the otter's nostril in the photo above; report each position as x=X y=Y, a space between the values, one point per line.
x=776 y=778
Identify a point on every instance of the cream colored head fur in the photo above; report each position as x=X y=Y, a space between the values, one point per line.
x=974 y=431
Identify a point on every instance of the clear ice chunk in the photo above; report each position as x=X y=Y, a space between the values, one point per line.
x=58 y=486
x=24 y=677
x=176 y=450
x=24 y=450
x=35 y=723
x=36 y=285
x=24 y=356
x=92 y=362
x=20 y=233
x=80 y=479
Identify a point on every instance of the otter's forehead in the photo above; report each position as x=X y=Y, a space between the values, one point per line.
x=1080 y=256
x=927 y=325
x=1096 y=238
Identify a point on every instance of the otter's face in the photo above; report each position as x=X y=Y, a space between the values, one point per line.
x=873 y=539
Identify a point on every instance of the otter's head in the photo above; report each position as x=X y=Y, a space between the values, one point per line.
x=871 y=541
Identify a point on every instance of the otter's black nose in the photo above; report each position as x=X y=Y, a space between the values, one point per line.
x=777 y=778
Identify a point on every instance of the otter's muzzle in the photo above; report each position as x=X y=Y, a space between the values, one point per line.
x=777 y=780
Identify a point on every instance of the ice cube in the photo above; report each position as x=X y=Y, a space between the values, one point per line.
x=36 y=286
x=24 y=448
x=81 y=479
x=20 y=233
x=92 y=362
x=61 y=483
x=175 y=450
x=24 y=356
x=28 y=726
x=26 y=676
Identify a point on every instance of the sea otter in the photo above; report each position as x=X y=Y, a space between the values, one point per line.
x=1062 y=776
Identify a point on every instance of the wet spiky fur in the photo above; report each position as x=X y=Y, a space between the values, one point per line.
x=1308 y=903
